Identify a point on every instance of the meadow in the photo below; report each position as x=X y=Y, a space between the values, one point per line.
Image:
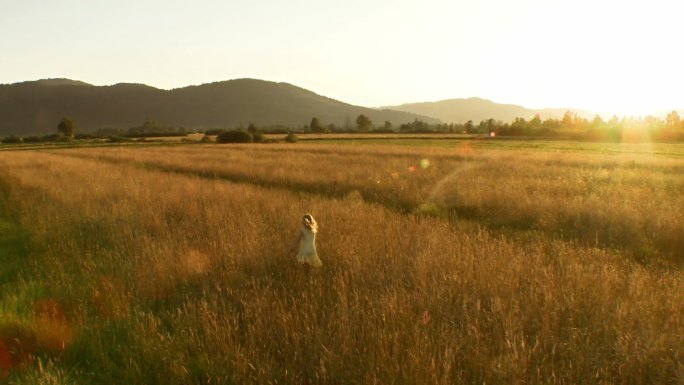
x=445 y=262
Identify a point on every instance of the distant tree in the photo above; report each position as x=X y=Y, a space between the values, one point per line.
x=415 y=126
x=388 y=125
x=535 y=123
x=258 y=137
x=597 y=122
x=518 y=127
x=581 y=123
x=673 y=120
x=614 y=121
x=11 y=140
x=469 y=127
x=568 y=120
x=316 y=126
x=551 y=123
x=234 y=137
x=652 y=122
x=32 y=139
x=363 y=123
x=150 y=128
x=489 y=125
x=571 y=120
x=52 y=137
x=67 y=127
x=291 y=138
x=252 y=128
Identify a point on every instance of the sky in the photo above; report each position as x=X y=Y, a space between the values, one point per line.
x=613 y=57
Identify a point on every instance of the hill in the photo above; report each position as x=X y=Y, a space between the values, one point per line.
x=36 y=107
x=477 y=109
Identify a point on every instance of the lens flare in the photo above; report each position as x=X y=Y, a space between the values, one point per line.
x=412 y=168
x=426 y=317
x=17 y=346
x=424 y=163
x=5 y=364
x=464 y=149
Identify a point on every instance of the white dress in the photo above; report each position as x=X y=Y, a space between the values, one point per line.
x=307 y=248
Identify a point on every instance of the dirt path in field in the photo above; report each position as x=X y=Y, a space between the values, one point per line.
x=321 y=189
x=521 y=229
x=13 y=240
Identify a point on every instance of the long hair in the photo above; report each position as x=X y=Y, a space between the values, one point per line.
x=309 y=222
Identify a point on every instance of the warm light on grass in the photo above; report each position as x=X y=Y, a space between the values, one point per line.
x=159 y=265
x=619 y=200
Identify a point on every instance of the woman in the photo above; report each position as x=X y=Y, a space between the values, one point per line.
x=307 y=242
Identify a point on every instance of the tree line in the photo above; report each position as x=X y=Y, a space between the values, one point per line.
x=574 y=126
x=571 y=126
x=67 y=130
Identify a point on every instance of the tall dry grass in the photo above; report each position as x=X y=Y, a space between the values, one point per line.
x=630 y=201
x=168 y=278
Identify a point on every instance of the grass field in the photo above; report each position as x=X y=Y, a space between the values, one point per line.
x=448 y=262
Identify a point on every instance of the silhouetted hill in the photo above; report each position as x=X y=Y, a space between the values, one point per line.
x=57 y=82
x=37 y=107
x=477 y=109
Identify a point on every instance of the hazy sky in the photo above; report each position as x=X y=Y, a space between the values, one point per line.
x=613 y=56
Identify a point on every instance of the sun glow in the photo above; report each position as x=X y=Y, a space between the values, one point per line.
x=612 y=57
x=592 y=55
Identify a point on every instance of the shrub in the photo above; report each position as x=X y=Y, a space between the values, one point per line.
x=11 y=139
x=234 y=137
x=86 y=136
x=53 y=138
x=291 y=138
x=258 y=137
x=32 y=139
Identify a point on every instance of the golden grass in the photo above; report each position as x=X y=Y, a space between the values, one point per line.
x=150 y=276
x=629 y=201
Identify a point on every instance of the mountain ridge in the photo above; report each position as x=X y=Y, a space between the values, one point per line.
x=461 y=110
x=36 y=107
